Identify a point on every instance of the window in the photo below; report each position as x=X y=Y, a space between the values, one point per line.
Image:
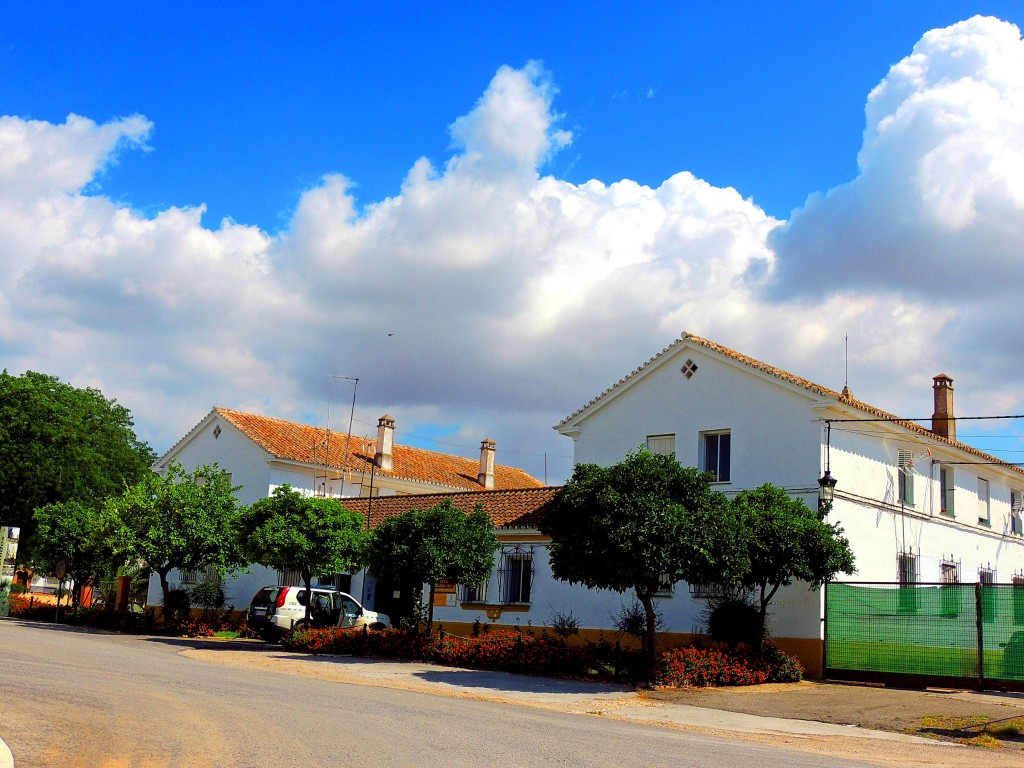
x=717 y=450
x=984 y=512
x=987 y=577
x=475 y=593
x=1018 y=597
x=949 y=570
x=663 y=445
x=665 y=586
x=906 y=565
x=1017 y=512
x=905 y=472
x=515 y=575
x=199 y=575
x=946 y=487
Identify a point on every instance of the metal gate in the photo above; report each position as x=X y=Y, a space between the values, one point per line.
x=955 y=634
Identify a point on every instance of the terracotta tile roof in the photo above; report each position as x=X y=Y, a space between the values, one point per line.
x=309 y=445
x=516 y=508
x=817 y=389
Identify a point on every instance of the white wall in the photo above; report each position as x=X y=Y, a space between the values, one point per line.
x=880 y=527
x=232 y=452
x=775 y=434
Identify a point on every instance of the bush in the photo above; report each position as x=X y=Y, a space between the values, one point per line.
x=698 y=667
x=498 y=649
x=177 y=606
x=564 y=624
x=732 y=620
x=208 y=595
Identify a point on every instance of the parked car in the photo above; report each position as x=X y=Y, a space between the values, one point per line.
x=278 y=610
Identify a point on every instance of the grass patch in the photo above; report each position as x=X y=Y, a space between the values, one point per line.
x=228 y=634
x=978 y=731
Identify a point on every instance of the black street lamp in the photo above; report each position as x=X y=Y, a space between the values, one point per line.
x=826 y=491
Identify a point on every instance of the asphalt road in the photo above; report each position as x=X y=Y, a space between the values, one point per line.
x=71 y=698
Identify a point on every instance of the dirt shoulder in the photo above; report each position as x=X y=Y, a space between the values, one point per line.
x=937 y=713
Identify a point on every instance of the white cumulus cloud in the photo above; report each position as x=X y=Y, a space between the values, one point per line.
x=490 y=299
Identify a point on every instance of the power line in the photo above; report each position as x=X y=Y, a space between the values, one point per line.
x=930 y=418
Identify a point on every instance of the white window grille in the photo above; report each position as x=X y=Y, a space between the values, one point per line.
x=907 y=571
x=290 y=577
x=949 y=571
x=907 y=568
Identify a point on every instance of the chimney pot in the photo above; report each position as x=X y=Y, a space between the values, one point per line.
x=486 y=476
x=943 y=424
x=385 y=442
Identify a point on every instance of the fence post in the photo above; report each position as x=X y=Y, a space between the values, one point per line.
x=824 y=631
x=981 y=641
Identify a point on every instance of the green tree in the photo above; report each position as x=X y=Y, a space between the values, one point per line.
x=80 y=536
x=291 y=531
x=59 y=443
x=183 y=520
x=639 y=524
x=428 y=546
x=784 y=541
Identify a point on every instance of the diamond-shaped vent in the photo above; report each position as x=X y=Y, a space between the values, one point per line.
x=216 y=432
x=689 y=369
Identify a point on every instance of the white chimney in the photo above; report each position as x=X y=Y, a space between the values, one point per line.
x=385 y=442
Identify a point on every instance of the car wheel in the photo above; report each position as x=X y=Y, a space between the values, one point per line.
x=377 y=627
x=301 y=626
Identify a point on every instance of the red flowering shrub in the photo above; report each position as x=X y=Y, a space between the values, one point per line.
x=685 y=667
x=19 y=604
x=504 y=650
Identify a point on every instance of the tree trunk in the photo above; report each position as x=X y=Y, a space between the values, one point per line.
x=650 y=648
x=762 y=613
x=165 y=588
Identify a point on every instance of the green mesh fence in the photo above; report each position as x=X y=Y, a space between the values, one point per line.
x=926 y=629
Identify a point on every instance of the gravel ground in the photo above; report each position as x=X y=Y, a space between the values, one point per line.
x=930 y=712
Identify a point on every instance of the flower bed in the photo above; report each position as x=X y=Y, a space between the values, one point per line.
x=503 y=650
x=691 y=666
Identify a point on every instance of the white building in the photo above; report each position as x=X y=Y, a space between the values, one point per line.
x=916 y=504
x=262 y=453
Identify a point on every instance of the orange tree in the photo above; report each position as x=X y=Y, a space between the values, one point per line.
x=442 y=543
x=782 y=541
x=183 y=520
x=311 y=535
x=638 y=525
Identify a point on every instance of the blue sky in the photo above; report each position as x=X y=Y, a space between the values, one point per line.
x=246 y=108
x=253 y=102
